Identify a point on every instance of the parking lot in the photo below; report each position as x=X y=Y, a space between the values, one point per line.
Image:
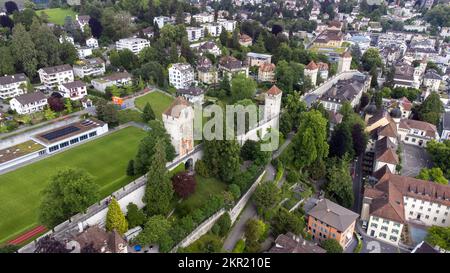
x=414 y=159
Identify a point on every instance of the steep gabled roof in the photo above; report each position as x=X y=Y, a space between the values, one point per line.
x=274 y=90
x=177 y=106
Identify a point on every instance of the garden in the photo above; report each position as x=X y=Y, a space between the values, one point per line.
x=157 y=100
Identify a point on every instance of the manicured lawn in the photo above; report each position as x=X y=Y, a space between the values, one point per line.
x=57 y=15
x=158 y=101
x=105 y=158
x=128 y=115
x=205 y=188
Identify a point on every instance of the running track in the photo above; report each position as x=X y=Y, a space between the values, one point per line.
x=27 y=235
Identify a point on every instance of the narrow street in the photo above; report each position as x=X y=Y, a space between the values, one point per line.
x=357 y=185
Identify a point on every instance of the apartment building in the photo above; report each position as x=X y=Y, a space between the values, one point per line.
x=135 y=45
x=12 y=85
x=117 y=79
x=203 y=17
x=417 y=132
x=195 y=33
x=181 y=75
x=54 y=76
x=89 y=68
x=28 y=103
x=257 y=59
x=266 y=72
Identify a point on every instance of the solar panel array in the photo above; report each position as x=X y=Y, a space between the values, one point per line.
x=61 y=132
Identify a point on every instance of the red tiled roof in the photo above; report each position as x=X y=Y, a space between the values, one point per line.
x=312 y=66
x=274 y=90
x=429 y=128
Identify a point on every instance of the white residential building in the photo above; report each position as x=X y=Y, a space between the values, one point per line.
x=432 y=80
x=195 y=33
x=229 y=25
x=84 y=52
x=445 y=126
x=28 y=103
x=203 y=17
x=179 y=122
x=181 y=75
x=192 y=94
x=82 y=20
x=117 y=79
x=135 y=45
x=54 y=76
x=92 y=42
x=161 y=21
x=12 y=85
x=417 y=132
x=398 y=200
x=65 y=38
x=257 y=59
x=73 y=90
x=213 y=29
x=89 y=68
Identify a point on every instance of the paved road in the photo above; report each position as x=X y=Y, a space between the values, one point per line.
x=414 y=159
x=249 y=211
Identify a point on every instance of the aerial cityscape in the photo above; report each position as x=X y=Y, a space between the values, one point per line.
x=225 y=126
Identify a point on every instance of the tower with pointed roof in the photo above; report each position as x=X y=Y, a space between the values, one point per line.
x=345 y=62
x=179 y=122
x=311 y=71
x=272 y=104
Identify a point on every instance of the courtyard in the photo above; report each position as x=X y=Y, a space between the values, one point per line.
x=414 y=159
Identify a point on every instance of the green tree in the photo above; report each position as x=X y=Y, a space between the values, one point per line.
x=115 y=219
x=156 y=231
x=46 y=44
x=339 y=185
x=130 y=168
x=371 y=59
x=440 y=153
x=242 y=87
x=284 y=221
x=310 y=143
x=430 y=110
x=331 y=246
x=158 y=191
x=7 y=63
x=69 y=192
x=254 y=230
x=433 y=174
x=23 y=50
x=135 y=216
x=49 y=114
x=266 y=196
x=107 y=112
x=439 y=236
x=222 y=158
x=223 y=37
x=147 y=113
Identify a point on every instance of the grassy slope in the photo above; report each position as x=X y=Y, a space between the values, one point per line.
x=158 y=101
x=106 y=158
x=57 y=15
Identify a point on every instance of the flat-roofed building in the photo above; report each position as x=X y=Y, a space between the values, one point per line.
x=71 y=134
x=89 y=68
x=20 y=153
x=135 y=45
x=117 y=79
x=257 y=59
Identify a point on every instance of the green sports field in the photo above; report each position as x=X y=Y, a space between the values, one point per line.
x=57 y=15
x=158 y=101
x=105 y=158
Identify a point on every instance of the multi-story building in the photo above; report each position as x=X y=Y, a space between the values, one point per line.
x=245 y=40
x=349 y=90
x=89 y=68
x=266 y=72
x=135 y=45
x=84 y=51
x=117 y=79
x=195 y=33
x=82 y=21
x=161 y=21
x=328 y=220
x=228 y=25
x=203 y=17
x=329 y=38
x=181 y=75
x=230 y=66
x=54 y=76
x=432 y=80
x=257 y=59
x=73 y=90
x=12 y=85
x=385 y=154
x=28 y=103
x=345 y=62
x=417 y=132
x=398 y=200
x=445 y=126
x=210 y=47
x=179 y=120
x=213 y=29
x=323 y=70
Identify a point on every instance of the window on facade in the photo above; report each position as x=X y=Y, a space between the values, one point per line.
x=443 y=221
x=73 y=141
x=385 y=222
x=64 y=144
x=83 y=137
x=373 y=225
x=375 y=219
x=437 y=211
x=393 y=238
x=384 y=228
x=410 y=213
x=429 y=209
x=396 y=225
x=434 y=219
x=53 y=148
x=413 y=206
x=395 y=231
x=427 y=216
x=93 y=134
